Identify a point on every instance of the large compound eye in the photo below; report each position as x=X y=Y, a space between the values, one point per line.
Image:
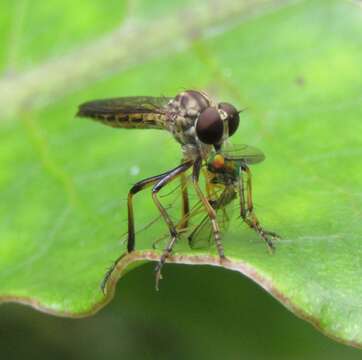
x=209 y=126
x=232 y=117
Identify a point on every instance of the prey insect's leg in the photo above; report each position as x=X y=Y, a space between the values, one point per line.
x=210 y=210
x=247 y=209
x=208 y=187
x=243 y=210
x=185 y=202
x=141 y=185
x=171 y=175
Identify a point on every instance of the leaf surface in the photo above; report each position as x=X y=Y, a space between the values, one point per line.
x=64 y=181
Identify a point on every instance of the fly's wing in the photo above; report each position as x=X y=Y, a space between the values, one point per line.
x=135 y=112
x=247 y=154
x=202 y=235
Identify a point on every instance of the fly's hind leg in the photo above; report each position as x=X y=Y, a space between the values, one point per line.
x=247 y=210
x=166 y=253
x=141 y=185
x=171 y=175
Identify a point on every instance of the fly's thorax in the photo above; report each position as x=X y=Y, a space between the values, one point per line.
x=183 y=111
x=194 y=151
x=189 y=104
x=183 y=130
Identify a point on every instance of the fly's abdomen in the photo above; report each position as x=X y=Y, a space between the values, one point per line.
x=128 y=113
x=130 y=121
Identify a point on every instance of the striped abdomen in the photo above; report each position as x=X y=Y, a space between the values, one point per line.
x=138 y=112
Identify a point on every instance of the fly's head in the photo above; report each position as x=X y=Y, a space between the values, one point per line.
x=201 y=122
x=223 y=171
x=216 y=124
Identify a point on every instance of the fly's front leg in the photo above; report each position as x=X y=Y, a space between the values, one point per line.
x=181 y=169
x=210 y=210
x=247 y=209
x=185 y=203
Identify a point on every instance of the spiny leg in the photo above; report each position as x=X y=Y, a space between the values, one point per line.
x=166 y=253
x=210 y=210
x=171 y=175
x=141 y=185
x=247 y=209
x=251 y=206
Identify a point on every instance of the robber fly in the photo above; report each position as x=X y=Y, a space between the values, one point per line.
x=197 y=122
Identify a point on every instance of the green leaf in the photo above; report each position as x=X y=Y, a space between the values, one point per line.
x=294 y=65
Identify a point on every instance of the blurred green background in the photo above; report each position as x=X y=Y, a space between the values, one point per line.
x=259 y=54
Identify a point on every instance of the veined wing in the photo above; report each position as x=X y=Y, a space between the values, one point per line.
x=246 y=153
x=134 y=112
x=202 y=235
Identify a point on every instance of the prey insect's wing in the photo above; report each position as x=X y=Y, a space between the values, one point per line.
x=202 y=235
x=242 y=152
x=134 y=112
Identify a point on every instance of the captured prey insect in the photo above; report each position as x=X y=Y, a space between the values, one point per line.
x=229 y=178
x=197 y=122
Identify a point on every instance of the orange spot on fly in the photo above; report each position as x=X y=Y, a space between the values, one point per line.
x=218 y=161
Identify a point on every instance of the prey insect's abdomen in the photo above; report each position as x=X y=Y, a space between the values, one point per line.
x=139 y=112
